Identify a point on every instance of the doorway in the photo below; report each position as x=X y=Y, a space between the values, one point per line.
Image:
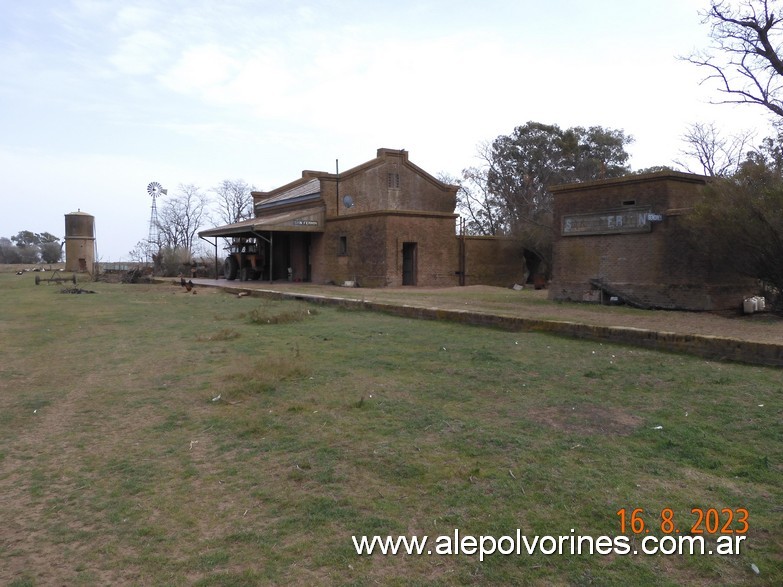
x=409 y=263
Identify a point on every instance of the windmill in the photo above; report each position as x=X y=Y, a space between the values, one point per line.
x=154 y=189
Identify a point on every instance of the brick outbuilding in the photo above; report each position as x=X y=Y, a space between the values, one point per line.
x=623 y=238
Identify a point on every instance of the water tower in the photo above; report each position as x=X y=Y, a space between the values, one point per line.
x=79 y=242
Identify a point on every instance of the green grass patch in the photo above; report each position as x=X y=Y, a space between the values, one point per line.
x=153 y=437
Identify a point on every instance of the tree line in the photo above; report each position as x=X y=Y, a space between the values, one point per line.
x=27 y=247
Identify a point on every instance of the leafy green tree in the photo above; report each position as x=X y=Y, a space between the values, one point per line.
x=652 y=169
x=9 y=253
x=26 y=238
x=46 y=237
x=522 y=165
x=768 y=155
x=51 y=251
x=27 y=254
x=30 y=247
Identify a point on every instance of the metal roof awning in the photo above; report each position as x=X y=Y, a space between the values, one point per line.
x=244 y=228
x=301 y=220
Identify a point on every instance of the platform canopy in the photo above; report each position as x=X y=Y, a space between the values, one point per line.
x=300 y=220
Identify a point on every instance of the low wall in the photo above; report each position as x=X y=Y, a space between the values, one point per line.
x=710 y=347
x=493 y=260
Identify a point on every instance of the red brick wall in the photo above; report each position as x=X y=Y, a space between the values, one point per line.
x=494 y=261
x=437 y=260
x=365 y=258
x=658 y=268
x=411 y=207
x=374 y=252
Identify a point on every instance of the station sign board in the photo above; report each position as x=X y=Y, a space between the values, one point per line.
x=619 y=221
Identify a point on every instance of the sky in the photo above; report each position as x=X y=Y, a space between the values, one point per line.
x=98 y=98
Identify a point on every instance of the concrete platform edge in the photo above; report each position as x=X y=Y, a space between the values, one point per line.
x=708 y=347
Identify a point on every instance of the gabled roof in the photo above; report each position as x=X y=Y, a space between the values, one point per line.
x=310 y=190
x=383 y=155
x=309 y=183
x=302 y=199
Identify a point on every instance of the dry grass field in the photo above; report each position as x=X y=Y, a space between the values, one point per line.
x=151 y=436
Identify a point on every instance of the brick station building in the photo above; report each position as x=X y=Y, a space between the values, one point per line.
x=386 y=222
x=623 y=238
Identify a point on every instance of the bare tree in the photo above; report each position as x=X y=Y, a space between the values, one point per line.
x=474 y=198
x=716 y=154
x=180 y=218
x=476 y=203
x=233 y=200
x=745 y=58
x=142 y=252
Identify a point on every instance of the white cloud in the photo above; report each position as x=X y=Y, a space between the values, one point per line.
x=306 y=13
x=203 y=69
x=140 y=53
x=136 y=16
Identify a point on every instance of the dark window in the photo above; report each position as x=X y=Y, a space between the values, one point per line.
x=629 y=202
x=394 y=180
x=342 y=248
